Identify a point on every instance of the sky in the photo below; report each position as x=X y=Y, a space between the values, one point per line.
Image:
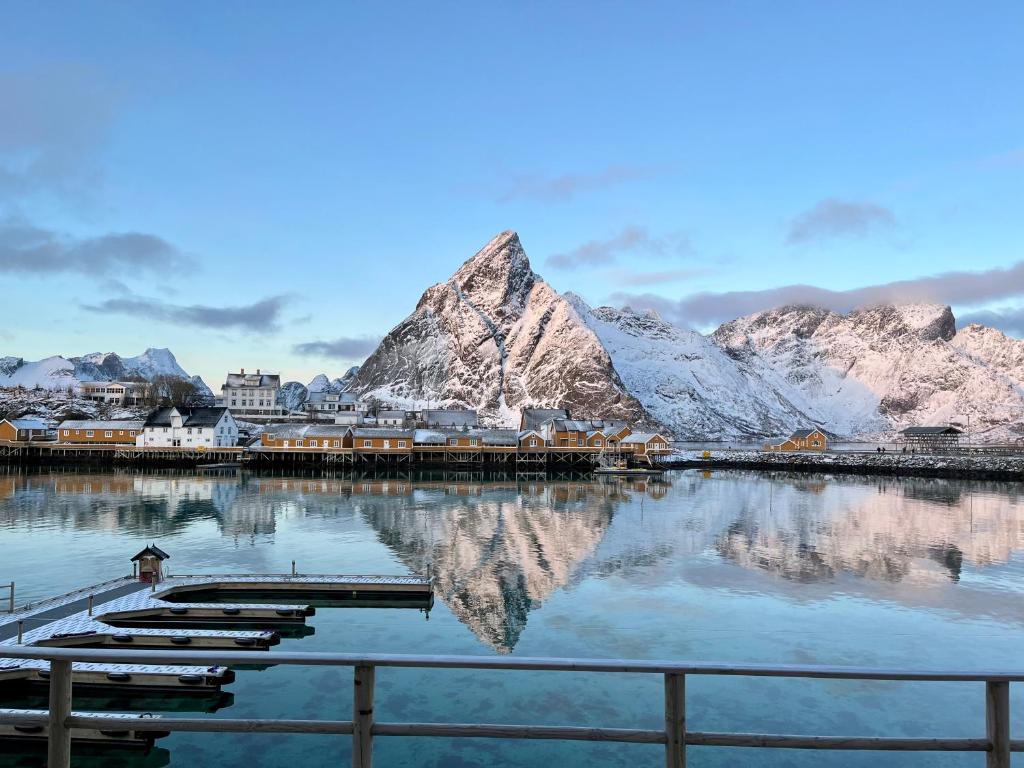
x=273 y=185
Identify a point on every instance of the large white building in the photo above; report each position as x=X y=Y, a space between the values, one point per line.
x=252 y=394
x=210 y=427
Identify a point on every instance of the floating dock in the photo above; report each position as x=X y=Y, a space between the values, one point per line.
x=29 y=725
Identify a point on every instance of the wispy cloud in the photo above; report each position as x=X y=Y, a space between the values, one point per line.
x=58 y=120
x=832 y=218
x=27 y=249
x=261 y=316
x=961 y=287
x=343 y=348
x=595 y=253
x=568 y=185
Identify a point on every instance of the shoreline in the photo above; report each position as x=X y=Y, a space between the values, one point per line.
x=952 y=466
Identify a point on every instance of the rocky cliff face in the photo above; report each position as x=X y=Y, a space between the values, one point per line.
x=497 y=338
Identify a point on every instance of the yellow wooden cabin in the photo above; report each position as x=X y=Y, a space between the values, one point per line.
x=79 y=432
x=801 y=440
x=22 y=430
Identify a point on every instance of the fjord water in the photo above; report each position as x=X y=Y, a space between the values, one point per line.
x=722 y=566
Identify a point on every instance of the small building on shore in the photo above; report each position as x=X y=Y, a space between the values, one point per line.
x=646 y=444
x=392 y=418
x=382 y=440
x=533 y=418
x=96 y=432
x=449 y=418
x=23 y=430
x=812 y=439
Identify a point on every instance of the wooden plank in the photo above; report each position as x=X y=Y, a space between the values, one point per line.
x=362 y=717
x=58 y=742
x=675 y=721
x=997 y=723
x=855 y=743
x=495 y=731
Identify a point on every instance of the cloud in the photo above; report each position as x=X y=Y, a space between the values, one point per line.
x=344 y=348
x=63 y=117
x=833 y=218
x=27 y=249
x=262 y=316
x=601 y=252
x=568 y=185
x=1009 y=320
x=962 y=288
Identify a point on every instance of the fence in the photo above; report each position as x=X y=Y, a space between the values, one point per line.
x=675 y=737
x=10 y=596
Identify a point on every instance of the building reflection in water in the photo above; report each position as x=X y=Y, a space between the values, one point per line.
x=499 y=547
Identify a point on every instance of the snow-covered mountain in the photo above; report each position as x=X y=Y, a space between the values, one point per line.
x=60 y=372
x=879 y=369
x=293 y=395
x=497 y=338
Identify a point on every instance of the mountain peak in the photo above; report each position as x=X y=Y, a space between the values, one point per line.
x=498 y=274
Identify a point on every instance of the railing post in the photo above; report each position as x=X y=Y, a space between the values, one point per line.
x=675 y=720
x=362 y=718
x=997 y=723
x=11 y=603
x=58 y=740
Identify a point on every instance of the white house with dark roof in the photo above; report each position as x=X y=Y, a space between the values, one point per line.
x=207 y=427
x=252 y=394
x=391 y=418
x=339 y=407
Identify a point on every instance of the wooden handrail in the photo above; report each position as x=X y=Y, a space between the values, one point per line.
x=996 y=743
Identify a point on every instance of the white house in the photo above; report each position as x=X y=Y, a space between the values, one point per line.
x=339 y=407
x=189 y=428
x=114 y=392
x=252 y=394
x=391 y=418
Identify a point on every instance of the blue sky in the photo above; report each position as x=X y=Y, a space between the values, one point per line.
x=232 y=180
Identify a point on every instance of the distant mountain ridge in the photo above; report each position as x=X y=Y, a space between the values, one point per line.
x=60 y=373
x=497 y=338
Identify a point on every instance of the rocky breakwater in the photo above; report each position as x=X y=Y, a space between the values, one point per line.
x=981 y=466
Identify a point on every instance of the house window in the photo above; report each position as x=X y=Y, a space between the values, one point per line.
x=270 y=438
x=597 y=443
x=108 y=433
x=453 y=441
x=533 y=443
x=120 y=433
x=312 y=443
x=131 y=433
x=367 y=444
x=67 y=432
x=401 y=443
x=89 y=433
x=298 y=443
x=337 y=443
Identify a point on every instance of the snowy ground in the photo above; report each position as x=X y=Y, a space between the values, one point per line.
x=55 y=406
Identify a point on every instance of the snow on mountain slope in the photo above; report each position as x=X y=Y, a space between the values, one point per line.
x=50 y=373
x=879 y=369
x=60 y=372
x=686 y=381
x=497 y=338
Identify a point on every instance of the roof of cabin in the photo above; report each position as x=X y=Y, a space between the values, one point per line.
x=532 y=418
x=931 y=431
x=450 y=417
x=26 y=424
x=498 y=436
x=299 y=431
x=95 y=424
x=801 y=433
x=641 y=437
x=380 y=432
x=202 y=416
x=153 y=550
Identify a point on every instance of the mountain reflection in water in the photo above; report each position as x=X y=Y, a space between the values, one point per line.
x=499 y=547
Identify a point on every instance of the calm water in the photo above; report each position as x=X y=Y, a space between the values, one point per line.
x=725 y=566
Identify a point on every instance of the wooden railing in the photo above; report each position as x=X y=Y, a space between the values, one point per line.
x=363 y=728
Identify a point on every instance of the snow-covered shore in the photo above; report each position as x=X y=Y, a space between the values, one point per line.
x=966 y=466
